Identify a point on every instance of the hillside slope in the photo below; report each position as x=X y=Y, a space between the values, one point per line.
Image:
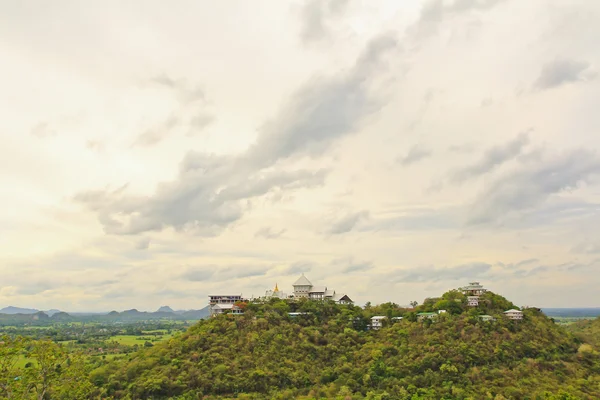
x=265 y=354
x=588 y=331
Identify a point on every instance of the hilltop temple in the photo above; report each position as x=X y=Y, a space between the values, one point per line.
x=303 y=288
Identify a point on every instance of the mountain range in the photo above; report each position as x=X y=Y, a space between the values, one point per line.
x=10 y=315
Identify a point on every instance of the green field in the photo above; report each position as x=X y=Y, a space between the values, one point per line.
x=131 y=340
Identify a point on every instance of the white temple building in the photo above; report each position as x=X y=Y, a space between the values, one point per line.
x=276 y=293
x=303 y=288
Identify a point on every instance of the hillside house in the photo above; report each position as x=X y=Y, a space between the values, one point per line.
x=514 y=314
x=377 y=322
x=220 y=304
x=422 y=315
x=473 y=301
x=486 y=318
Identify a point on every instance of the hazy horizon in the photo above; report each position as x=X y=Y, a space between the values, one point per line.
x=389 y=150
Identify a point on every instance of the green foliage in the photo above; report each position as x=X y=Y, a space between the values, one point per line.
x=328 y=354
x=52 y=373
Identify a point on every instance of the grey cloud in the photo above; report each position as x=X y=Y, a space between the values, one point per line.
x=532 y=184
x=143 y=244
x=157 y=133
x=347 y=223
x=587 y=248
x=323 y=110
x=526 y=262
x=269 y=233
x=416 y=220
x=349 y=264
x=315 y=16
x=492 y=158
x=198 y=274
x=298 y=267
x=210 y=191
x=562 y=71
x=433 y=274
x=191 y=111
x=415 y=154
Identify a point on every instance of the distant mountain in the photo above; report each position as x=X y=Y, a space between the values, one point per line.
x=52 y=312
x=18 y=310
x=61 y=316
x=572 y=312
x=196 y=314
x=165 y=309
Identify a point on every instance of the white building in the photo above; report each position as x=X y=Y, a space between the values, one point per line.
x=472 y=301
x=219 y=304
x=377 y=322
x=514 y=314
x=473 y=289
x=486 y=318
x=304 y=289
x=276 y=293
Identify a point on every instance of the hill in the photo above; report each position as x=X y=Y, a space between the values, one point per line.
x=588 y=331
x=326 y=353
x=17 y=310
x=165 y=309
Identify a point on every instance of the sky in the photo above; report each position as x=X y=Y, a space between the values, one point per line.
x=152 y=155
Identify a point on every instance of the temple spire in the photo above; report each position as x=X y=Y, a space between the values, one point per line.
x=276 y=289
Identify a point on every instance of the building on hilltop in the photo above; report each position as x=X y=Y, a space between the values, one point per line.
x=220 y=304
x=304 y=289
x=514 y=314
x=473 y=290
x=276 y=294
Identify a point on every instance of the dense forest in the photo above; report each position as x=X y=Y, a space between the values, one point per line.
x=326 y=351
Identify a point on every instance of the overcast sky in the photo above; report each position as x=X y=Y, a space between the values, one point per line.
x=152 y=155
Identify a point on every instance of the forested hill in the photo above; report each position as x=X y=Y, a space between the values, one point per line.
x=588 y=331
x=328 y=354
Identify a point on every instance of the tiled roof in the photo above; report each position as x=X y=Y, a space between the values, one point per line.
x=302 y=281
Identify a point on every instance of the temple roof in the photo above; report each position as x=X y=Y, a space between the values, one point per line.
x=302 y=281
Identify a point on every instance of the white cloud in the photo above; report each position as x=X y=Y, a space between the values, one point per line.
x=193 y=154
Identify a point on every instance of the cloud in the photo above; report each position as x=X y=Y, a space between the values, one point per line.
x=268 y=233
x=314 y=18
x=143 y=244
x=493 y=158
x=347 y=223
x=210 y=191
x=95 y=145
x=434 y=274
x=587 y=248
x=434 y=12
x=415 y=154
x=533 y=183
x=562 y=71
x=198 y=274
x=298 y=267
x=191 y=111
x=42 y=130
x=349 y=265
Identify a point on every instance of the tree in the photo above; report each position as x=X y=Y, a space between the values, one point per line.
x=11 y=350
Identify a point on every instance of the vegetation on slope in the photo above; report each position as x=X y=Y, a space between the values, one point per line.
x=266 y=354
x=588 y=331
